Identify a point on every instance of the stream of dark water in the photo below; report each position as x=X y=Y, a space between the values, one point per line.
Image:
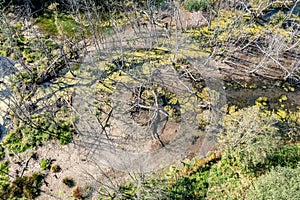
x=247 y=97
x=295 y=9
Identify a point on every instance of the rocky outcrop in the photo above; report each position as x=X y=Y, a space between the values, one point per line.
x=8 y=68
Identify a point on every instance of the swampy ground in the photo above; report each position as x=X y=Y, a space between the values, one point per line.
x=150 y=100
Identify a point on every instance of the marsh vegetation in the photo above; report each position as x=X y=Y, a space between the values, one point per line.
x=195 y=99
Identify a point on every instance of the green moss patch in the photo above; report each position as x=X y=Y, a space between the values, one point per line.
x=2 y=152
x=63 y=24
x=25 y=187
x=196 y=5
x=40 y=128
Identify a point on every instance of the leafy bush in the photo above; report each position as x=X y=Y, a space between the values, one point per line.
x=37 y=49
x=2 y=153
x=55 y=168
x=281 y=183
x=196 y=5
x=190 y=187
x=45 y=164
x=65 y=137
x=48 y=23
x=286 y=156
x=4 y=167
x=190 y=181
x=23 y=187
x=77 y=193
x=43 y=127
x=226 y=182
x=250 y=137
x=32 y=130
x=214 y=177
x=68 y=182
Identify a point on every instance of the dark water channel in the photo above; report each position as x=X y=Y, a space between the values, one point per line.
x=295 y=9
x=246 y=97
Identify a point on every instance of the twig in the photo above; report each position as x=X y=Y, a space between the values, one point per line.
x=276 y=61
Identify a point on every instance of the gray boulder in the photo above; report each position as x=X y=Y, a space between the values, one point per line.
x=7 y=70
